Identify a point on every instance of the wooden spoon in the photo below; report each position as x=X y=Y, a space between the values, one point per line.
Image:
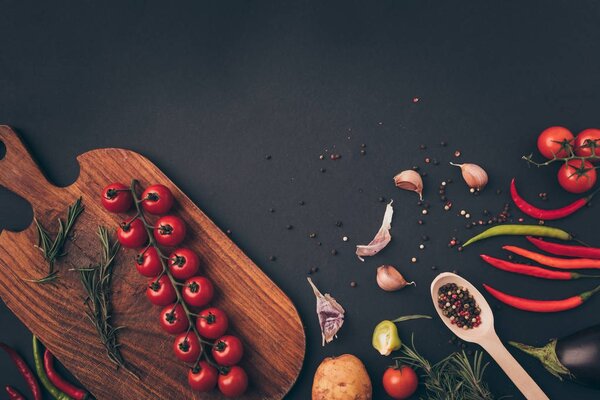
x=485 y=336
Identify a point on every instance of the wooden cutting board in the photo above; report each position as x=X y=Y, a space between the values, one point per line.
x=260 y=313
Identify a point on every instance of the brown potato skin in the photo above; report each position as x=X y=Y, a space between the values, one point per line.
x=342 y=378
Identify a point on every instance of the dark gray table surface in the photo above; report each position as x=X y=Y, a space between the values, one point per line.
x=207 y=89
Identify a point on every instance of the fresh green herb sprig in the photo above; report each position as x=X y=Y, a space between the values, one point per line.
x=96 y=281
x=53 y=249
x=453 y=378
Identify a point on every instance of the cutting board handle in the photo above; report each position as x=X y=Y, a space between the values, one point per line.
x=17 y=169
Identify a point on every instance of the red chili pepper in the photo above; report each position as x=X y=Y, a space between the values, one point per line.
x=532 y=270
x=13 y=394
x=541 y=305
x=555 y=262
x=541 y=213
x=24 y=370
x=58 y=381
x=565 y=249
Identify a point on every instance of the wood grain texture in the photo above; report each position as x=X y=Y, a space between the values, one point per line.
x=260 y=313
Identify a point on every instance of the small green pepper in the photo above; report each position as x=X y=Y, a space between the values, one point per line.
x=39 y=368
x=385 y=336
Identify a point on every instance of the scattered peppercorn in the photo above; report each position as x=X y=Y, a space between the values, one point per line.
x=323 y=170
x=381 y=199
x=334 y=252
x=443 y=144
x=425 y=238
x=457 y=153
x=272 y=258
x=301 y=202
x=353 y=284
x=420 y=222
x=422 y=147
x=289 y=227
x=271 y=210
x=268 y=157
x=228 y=231
x=312 y=235
x=363 y=152
x=338 y=224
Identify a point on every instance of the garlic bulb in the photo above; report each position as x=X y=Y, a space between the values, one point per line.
x=390 y=280
x=475 y=176
x=410 y=180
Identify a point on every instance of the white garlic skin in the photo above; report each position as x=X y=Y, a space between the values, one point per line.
x=475 y=176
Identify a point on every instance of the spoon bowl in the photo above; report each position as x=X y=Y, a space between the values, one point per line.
x=485 y=336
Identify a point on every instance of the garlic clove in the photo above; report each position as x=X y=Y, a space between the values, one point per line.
x=410 y=180
x=475 y=176
x=390 y=280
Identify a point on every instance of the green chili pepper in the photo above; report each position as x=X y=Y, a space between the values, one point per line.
x=523 y=230
x=385 y=336
x=39 y=368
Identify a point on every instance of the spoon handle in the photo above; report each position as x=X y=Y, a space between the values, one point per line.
x=513 y=369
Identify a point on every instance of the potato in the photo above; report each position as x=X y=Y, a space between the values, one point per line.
x=342 y=378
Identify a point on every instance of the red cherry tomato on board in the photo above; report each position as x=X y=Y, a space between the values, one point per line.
x=132 y=234
x=555 y=140
x=157 y=199
x=212 y=323
x=160 y=292
x=183 y=264
x=187 y=347
x=585 y=141
x=169 y=231
x=233 y=381
x=117 y=198
x=203 y=377
x=228 y=350
x=173 y=319
x=577 y=177
x=197 y=291
x=148 y=263
x=400 y=383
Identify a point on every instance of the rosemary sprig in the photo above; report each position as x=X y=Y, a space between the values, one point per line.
x=96 y=281
x=53 y=249
x=453 y=378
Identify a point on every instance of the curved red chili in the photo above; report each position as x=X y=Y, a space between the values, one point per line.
x=541 y=305
x=532 y=270
x=555 y=262
x=61 y=384
x=24 y=370
x=13 y=394
x=541 y=213
x=565 y=249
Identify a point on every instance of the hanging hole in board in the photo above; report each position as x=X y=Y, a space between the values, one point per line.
x=2 y=150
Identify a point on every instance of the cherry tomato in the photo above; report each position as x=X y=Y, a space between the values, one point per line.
x=203 y=377
x=173 y=319
x=183 y=264
x=169 y=231
x=117 y=198
x=577 y=177
x=197 y=291
x=187 y=347
x=584 y=142
x=400 y=383
x=148 y=263
x=233 y=381
x=555 y=140
x=212 y=323
x=228 y=350
x=160 y=292
x=157 y=199
x=132 y=234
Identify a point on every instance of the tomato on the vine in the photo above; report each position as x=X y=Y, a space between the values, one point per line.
x=577 y=176
x=183 y=263
x=233 y=381
x=228 y=350
x=173 y=319
x=556 y=140
x=212 y=323
x=132 y=234
x=160 y=292
x=117 y=197
x=187 y=347
x=585 y=141
x=148 y=263
x=197 y=291
x=169 y=231
x=203 y=377
x=400 y=382
x=157 y=199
